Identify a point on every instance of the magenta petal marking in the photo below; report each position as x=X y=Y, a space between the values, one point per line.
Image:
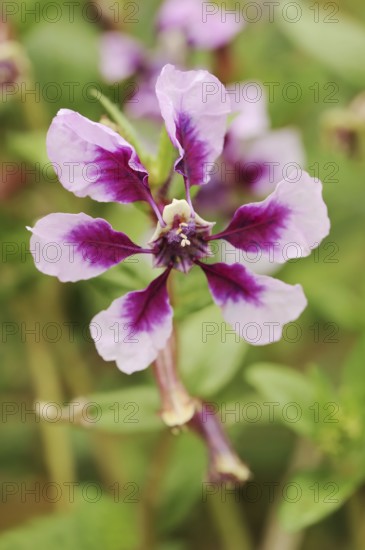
x=136 y=327
x=76 y=247
x=232 y=282
x=256 y=224
x=192 y=165
x=256 y=306
x=92 y=160
x=146 y=308
x=289 y=223
x=113 y=172
x=194 y=106
x=99 y=244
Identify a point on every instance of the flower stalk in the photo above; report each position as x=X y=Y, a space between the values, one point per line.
x=223 y=63
x=224 y=464
x=178 y=407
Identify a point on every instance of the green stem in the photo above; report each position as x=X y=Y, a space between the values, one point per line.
x=125 y=128
x=150 y=501
x=105 y=447
x=356 y=517
x=230 y=522
x=34 y=111
x=47 y=386
x=107 y=451
x=56 y=436
x=275 y=536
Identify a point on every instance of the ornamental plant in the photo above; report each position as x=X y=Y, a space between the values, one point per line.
x=106 y=162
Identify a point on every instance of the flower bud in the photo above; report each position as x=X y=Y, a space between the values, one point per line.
x=224 y=464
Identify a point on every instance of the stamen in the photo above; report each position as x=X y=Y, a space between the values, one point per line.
x=185 y=241
x=184 y=238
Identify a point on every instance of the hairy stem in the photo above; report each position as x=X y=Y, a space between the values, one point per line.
x=177 y=405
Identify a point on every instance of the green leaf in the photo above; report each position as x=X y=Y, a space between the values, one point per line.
x=182 y=486
x=341 y=304
x=191 y=294
x=307 y=404
x=352 y=393
x=210 y=353
x=289 y=391
x=56 y=532
x=131 y=410
x=89 y=526
x=313 y=495
x=324 y=389
x=64 y=69
x=125 y=127
x=332 y=38
x=353 y=374
x=29 y=146
x=162 y=164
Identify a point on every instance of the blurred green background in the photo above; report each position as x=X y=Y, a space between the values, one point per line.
x=110 y=481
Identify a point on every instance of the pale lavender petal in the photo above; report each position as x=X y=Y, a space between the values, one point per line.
x=143 y=103
x=249 y=101
x=253 y=259
x=194 y=106
x=75 y=247
x=120 y=56
x=262 y=158
x=279 y=153
x=203 y=24
x=134 y=328
x=288 y=224
x=256 y=306
x=93 y=160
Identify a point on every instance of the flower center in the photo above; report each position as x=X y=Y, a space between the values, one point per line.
x=183 y=239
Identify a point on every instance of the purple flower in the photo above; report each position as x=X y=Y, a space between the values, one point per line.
x=144 y=104
x=262 y=157
x=8 y=72
x=120 y=56
x=255 y=158
x=93 y=160
x=203 y=24
x=14 y=64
